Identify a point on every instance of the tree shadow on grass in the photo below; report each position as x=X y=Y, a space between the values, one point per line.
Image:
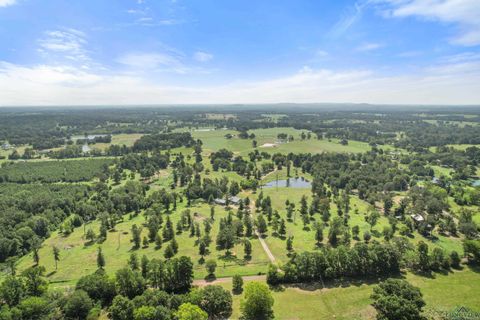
x=473 y=268
x=340 y=283
x=51 y=273
x=89 y=243
x=210 y=278
x=425 y=274
x=231 y=258
x=278 y=288
x=237 y=292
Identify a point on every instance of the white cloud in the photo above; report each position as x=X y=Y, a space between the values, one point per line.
x=202 y=56
x=151 y=22
x=349 y=18
x=153 y=62
x=5 y=3
x=369 y=47
x=49 y=75
x=321 y=54
x=135 y=11
x=454 y=80
x=462 y=13
x=66 y=43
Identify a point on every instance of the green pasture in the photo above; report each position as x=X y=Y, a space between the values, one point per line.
x=304 y=240
x=215 y=139
x=442 y=171
x=127 y=139
x=351 y=300
x=78 y=258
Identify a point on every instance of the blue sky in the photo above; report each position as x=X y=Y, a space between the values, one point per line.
x=56 y=52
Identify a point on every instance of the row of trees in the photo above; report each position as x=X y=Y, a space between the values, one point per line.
x=158 y=290
x=363 y=260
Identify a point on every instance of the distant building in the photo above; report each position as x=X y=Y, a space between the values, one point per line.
x=232 y=200
x=417 y=218
x=221 y=202
x=6 y=146
x=86 y=148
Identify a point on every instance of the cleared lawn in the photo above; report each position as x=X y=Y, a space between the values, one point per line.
x=353 y=301
x=447 y=291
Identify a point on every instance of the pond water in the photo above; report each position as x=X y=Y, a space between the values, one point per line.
x=476 y=183
x=289 y=183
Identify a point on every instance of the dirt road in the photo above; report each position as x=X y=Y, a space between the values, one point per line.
x=202 y=283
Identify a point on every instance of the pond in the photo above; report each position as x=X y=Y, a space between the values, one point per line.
x=476 y=183
x=289 y=183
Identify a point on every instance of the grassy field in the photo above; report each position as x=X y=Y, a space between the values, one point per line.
x=272 y=117
x=304 y=239
x=215 y=139
x=6 y=153
x=442 y=171
x=78 y=258
x=352 y=301
x=127 y=139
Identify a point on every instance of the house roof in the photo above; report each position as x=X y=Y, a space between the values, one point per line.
x=417 y=217
x=234 y=199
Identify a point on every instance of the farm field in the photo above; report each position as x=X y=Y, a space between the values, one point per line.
x=215 y=140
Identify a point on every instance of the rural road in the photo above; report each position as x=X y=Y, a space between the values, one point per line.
x=201 y=282
x=265 y=248
x=262 y=241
